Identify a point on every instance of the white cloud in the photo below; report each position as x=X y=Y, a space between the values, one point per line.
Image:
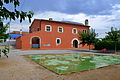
x=116 y=6
x=102 y=35
x=101 y=23
x=18 y=26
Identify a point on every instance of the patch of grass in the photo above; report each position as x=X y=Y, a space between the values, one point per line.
x=68 y=63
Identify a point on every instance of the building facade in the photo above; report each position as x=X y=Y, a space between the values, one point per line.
x=49 y=34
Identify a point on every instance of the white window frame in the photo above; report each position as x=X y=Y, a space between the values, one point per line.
x=62 y=29
x=58 y=43
x=73 y=40
x=84 y=31
x=46 y=28
x=73 y=30
x=33 y=37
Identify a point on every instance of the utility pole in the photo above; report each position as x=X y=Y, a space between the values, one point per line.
x=9 y=38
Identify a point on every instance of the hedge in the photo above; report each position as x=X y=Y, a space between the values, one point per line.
x=109 y=45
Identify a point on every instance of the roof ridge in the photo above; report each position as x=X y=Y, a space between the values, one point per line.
x=73 y=23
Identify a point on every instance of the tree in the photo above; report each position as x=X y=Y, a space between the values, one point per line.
x=11 y=14
x=113 y=35
x=88 y=37
x=3 y=30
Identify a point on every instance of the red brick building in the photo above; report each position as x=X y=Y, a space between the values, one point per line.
x=49 y=34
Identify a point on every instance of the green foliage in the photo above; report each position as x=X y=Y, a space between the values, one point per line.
x=3 y=30
x=13 y=14
x=88 y=37
x=0 y=52
x=111 y=40
x=16 y=2
x=108 y=44
x=113 y=35
x=5 y=51
x=1 y=41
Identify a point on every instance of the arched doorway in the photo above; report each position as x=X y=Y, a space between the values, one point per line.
x=35 y=42
x=75 y=44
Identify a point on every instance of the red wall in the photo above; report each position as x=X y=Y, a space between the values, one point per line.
x=50 y=37
x=35 y=24
x=18 y=43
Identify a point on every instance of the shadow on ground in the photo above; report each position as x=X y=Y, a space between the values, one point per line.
x=97 y=51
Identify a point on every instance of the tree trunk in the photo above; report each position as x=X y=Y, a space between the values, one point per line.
x=89 y=47
x=115 y=46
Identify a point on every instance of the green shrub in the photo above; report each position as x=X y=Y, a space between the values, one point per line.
x=109 y=45
x=1 y=41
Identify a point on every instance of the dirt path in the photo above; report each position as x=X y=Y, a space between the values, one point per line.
x=17 y=67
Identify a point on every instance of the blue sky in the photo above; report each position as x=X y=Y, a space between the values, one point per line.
x=102 y=14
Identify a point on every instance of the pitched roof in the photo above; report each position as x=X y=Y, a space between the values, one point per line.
x=65 y=22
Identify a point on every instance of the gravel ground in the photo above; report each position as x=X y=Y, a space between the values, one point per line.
x=118 y=53
x=17 y=67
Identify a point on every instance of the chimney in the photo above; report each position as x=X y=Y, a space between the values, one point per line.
x=86 y=22
x=20 y=31
x=50 y=19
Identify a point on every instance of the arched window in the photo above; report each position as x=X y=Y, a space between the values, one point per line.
x=58 y=41
x=35 y=42
x=75 y=43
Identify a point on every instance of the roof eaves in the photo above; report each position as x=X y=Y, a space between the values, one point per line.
x=61 y=22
